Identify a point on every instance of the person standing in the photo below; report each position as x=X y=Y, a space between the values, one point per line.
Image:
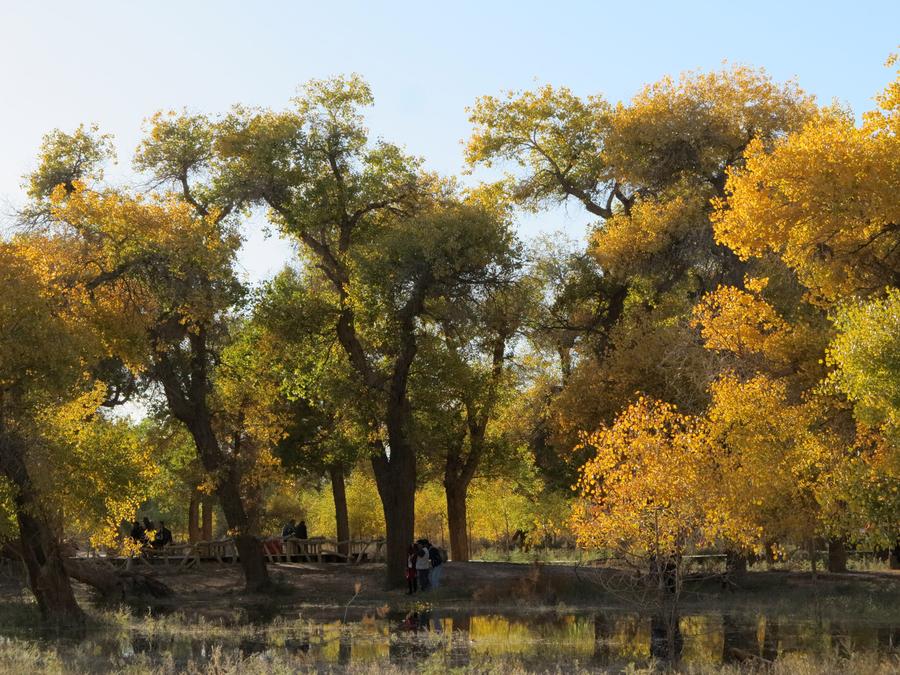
x=423 y=568
x=301 y=530
x=289 y=529
x=411 y=556
x=437 y=560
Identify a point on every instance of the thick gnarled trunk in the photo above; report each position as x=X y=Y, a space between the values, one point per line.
x=117 y=585
x=837 y=555
x=206 y=527
x=396 y=480
x=187 y=395
x=38 y=542
x=249 y=547
x=47 y=577
x=341 y=515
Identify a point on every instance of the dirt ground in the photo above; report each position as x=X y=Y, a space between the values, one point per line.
x=216 y=589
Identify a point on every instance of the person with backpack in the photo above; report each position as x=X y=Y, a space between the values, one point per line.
x=437 y=561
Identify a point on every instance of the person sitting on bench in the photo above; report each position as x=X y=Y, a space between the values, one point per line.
x=163 y=536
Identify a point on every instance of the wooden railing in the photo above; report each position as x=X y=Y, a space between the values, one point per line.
x=276 y=549
x=320 y=549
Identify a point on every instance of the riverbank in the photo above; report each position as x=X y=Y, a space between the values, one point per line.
x=486 y=618
x=215 y=590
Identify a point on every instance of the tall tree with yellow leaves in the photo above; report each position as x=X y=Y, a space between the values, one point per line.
x=52 y=429
x=647 y=169
x=154 y=275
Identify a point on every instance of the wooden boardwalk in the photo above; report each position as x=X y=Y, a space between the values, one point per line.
x=316 y=550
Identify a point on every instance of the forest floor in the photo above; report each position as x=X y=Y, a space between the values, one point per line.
x=214 y=590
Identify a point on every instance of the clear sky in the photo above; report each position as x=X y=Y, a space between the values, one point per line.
x=114 y=63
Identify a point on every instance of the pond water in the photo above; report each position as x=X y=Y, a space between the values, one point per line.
x=539 y=641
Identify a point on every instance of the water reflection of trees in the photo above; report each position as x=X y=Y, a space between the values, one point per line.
x=345 y=647
x=604 y=640
x=460 y=644
x=666 y=640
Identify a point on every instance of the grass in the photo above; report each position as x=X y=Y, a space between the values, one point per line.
x=23 y=657
x=535 y=555
x=796 y=561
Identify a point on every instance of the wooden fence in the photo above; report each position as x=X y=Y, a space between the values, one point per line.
x=276 y=549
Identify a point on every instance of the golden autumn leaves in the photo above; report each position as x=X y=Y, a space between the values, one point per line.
x=50 y=399
x=798 y=439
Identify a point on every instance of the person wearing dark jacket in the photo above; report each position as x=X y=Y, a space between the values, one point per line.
x=301 y=530
x=137 y=532
x=437 y=560
x=163 y=536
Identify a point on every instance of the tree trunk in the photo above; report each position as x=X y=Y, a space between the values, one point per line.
x=194 y=518
x=770 y=554
x=459 y=470
x=735 y=564
x=40 y=548
x=187 y=399
x=206 y=529
x=837 y=555
x=396 y=481
x=116 y=584
x=811 y=547
x=457 y=520
x=341 y=516
x=47 y=577
x=249 y=547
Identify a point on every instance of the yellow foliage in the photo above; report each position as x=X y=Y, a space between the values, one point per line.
x=699 y=123
x=626 y=242
x=768 y=461
x=644 y=491
x=742 y=323
x=825 y=200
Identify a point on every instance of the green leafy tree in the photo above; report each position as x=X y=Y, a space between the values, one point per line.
x=464 y=378
x=389 y=239
x=320 y=403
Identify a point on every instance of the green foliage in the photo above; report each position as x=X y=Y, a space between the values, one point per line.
x=65 y=159
x=556 y=137
x=865 y=356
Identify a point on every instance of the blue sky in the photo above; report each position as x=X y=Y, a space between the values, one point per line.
x=114 y=63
